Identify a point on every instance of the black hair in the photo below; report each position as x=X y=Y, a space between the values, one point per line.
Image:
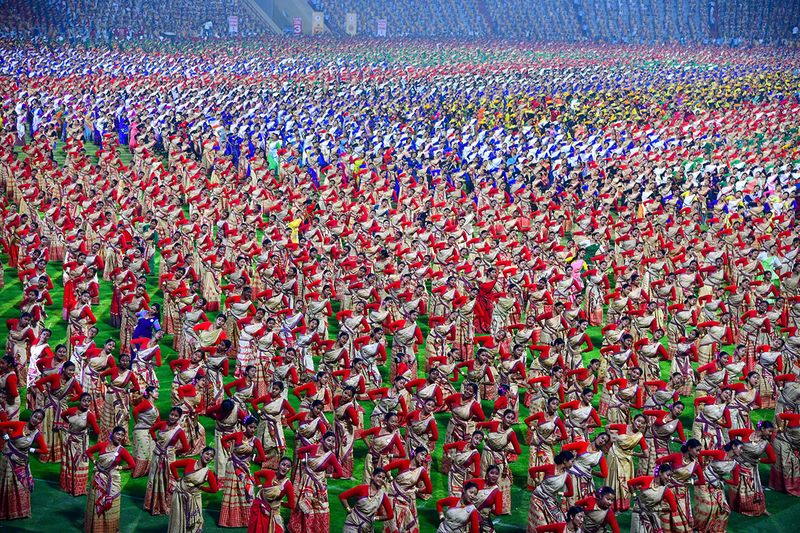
x=208 y=449
x=563 y=457
x=602 y=491
x=689 y=444
x=468 y=485
x=573 y=511
x=734 y=442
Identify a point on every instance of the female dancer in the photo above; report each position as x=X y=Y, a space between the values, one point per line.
x=186 y=508
x=312 y=512
x=412 y=479
x=57 y=390
x=372 y=504
x=465 y=411
x=686 y=471
x=581 y=416
x=575 y=518
x=16 y=482
x=148 y=356
x=274 y=486
x=588 y=457
x=784 y=475
x=345 y=426
x=599 y=509
x=227 y=419
x=385 y=444
x=711 y=509
x=462 y=515
x=545 y=507
x=237 y=487
x=102 y=505
x=116 y=409
x=501 y=445
x=545 y=430
x=712 y=419
x=624 y=440
x=422 y=429
x=655 y=503
x=489 y=500
x=274 y=409
x=745 y=398
x=167 y=436
x=747 y=497
x=74 y=474
x=465 y=462
x=188 y=401
x=145 y=416
x=390 y=400
x=660 y=430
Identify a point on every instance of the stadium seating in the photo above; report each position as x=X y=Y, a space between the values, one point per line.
x=613 y=21
x=105 y=19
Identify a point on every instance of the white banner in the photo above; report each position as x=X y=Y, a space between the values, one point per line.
x=317 y=23
x=350 y=23
x=381 y=30
x=233 y=24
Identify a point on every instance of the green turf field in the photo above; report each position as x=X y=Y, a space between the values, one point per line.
x=54 y=511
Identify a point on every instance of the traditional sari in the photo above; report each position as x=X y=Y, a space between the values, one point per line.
x=747 y=497
x=418 y=434
x=620 y=466
x=784 y=475
x=708 y=426
x=545 y=507
x=189 y=338
x=402 y=491
x=74 y=473
x=93 y=383
x=683 y=520
x=186 y=507
x=362 y=515
x=270 y=431
x=212 y=385
x=650 y=512
x=116 y=408
x=377 y=454
x=156 y=497
x=582 y=475
x=237 y=489
x=142 y=442
x=103 y=503
x=577 y=423
x=56 y=401
x=312 y=512
x=265 y=512
x=461 y=464
x=226 y=426
x=457 y=519
x=345 y=430
x=657 y=436
x=495 y=452
x=16 y=480
x=711 y=509
x=542 y=439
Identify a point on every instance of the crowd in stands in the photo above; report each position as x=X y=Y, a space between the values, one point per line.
x=612 y=21
x=106 y=19
x=444 y=18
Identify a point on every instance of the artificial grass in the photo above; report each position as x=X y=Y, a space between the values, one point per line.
x=55 y=511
